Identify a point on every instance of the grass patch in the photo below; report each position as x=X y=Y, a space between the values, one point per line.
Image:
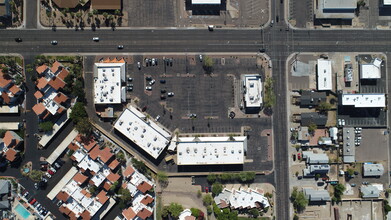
x=158 y=207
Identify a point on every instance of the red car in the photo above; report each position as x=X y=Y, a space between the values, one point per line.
x=33 y=201
x=299 y=156
x=206 y=189
x=50 y=172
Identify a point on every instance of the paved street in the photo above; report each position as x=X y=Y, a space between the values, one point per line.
x=278 y=42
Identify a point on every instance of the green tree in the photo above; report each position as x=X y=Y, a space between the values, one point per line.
x=124 y=194
x=207 y=200
x=140 y=166
x=84 y=126
x=209 y=210
x=165 y=212
x=208 y=64
x=90 y=14
x=299 y=200
x=175 y=209
x=386 y=207
x=226 y=177
x=92 y=189
x=338 y=191
x=312 y=127
x=36 y=175
x=117 y=12
x=95 y=12
x=105 y=15
x=120 y=156
x=269 y=97
x=78 y=14
x=295 y=217
x=78 y=112
x=254 y=213
x=195 y=212
x=2 y=133
x=114 y=186
x=211 y=178
x=350 y=172
x=324 y=107
x=217 y=188
x=162 y=177
x=46 y=126
x=199 y=193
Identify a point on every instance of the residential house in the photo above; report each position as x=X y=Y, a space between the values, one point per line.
x=317 y=196
x=313 y=118
x=312 y=98
x=373 y=170
x=303 y=135
x=4 y=192
x=9 y=91
x=10 y=145
x=312 y=170
x=313 y=158
x=369 y=192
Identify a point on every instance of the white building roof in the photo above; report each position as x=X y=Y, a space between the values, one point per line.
x=373 y=169
x=211 y=150
x=242 y=198
x=349 y=147
x=206 y=2
x=338 y=4
x=371 y=70
x=253 y=94
x=386 y=2
x=312 y=158
x=107 y=82
x=324 y=78
x=142 y=131
x=62 y=183
x=333 y=133
x=364 y=100
x=89 y=164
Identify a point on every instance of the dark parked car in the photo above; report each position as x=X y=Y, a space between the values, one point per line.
x=18 y=39
x=162 y=81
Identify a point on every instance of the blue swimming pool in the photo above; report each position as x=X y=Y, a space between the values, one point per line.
x=22 y=211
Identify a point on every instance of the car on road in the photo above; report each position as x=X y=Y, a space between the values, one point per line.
x=211 y=27
x=96 y=39
x=157 y=118
x=192 y=115
x=152 y=82
x=129 y=88
x=148 y=88
x=365 y=183
x=18 y=39
x=201 y=58
x=139 y=65
x=162 y=81
x=262 y=50
x=148 y=78
x=170 y=94
x=120 y=47
x=54 y=42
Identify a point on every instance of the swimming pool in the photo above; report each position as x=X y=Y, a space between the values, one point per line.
x=22 y=211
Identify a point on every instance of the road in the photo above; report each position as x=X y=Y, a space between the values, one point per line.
x=278 y=42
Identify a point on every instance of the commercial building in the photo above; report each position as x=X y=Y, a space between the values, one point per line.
x=316 y=196
x=309 y=118
x=371 y=70
x=211 y=150
x=373 y=170
x=205 y=2
x=313 y=158
x=108 y=79
x=252 y=91
x=241 y=199
x=349 y=147
x=370 y=192
x=142 y=131
x=312 y=170
x=364 y=100
x=331 y=10
x=312 y=98
x=324 y=79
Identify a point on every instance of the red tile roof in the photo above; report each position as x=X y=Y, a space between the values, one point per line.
x=5 y=97
x=65 y=210
x=112 y=177
x=106 y=5
x=38 y=94
x=114 y=164
x=10 y=154
x=94 y=153
x=144 y=187
x=102 y=197
x=89 y=143
x=41 y=83
x=147 y=200
x=60 y=98
x=41 y=69
x=128 y=213
x=80 y=178
x=4 y=79
x=105 y=154
x=87 y=194
x=73 y=146
x=63 y=196
x=39 y=109
x=107 y=186
x=63 y=74
x=11 y=139
x=128 y=171
x=55 y=67
x=85 y=215
x=56 y=83
x=144 y=213
x=14 y=89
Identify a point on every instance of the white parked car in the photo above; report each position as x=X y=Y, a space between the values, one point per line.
x=48 y=175
x=157 y=118
x=170 y=94
x=149 y=88
x=95 y=38
x=152 y=82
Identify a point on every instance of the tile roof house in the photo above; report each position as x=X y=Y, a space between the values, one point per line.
x=51 y=101
x=128 y=171
x=129 y=214
x=9 y=91
x=10 y=144
x=144 y=187
x=80 y=178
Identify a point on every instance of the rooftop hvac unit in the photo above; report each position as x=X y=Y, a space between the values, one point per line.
x=240 y=151
x=135 y=128
x=144 y=130
x=154 y=148
x=232 y=151
x=188 y=150
x=195 y=150
x=204 y=149
x=111 y=99
x=158 y=148
x=130 y=123
x=128 y=128
x=180 y=153
x=155 y=138
x=149 y=144
x=142 y=136
x=112 y=70
x=120 y=122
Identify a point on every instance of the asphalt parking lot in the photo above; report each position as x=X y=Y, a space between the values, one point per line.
x=208 y=96
x=150 y=13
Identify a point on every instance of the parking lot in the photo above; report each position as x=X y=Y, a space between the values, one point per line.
x=207 y=98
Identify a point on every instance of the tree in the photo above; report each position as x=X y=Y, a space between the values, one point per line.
x=117 y=12
x=199 y=193
x=84 y=126
x=46 y=126
x=253 y=212
x=124 y=195
x=217 y=188
x=175 y=209
x=78 y=112
x=2 y=133
x=162 y=177
x=226 y=177
x=165 y=212
x=211 y=178
x=92 y=189
x=298 y=199
x=208 y=64
x=36 y=175
x=207 y=200
x=90 y=14
x=120 y=156
x=105 y=15
x=324 y=107
x=338 y=191
x=209 y=210
x=139 y=165
x=269 y=97
x=95 y=12
x=312 y=127
x=350 y=172
x=295 y=217
x=195 y=212
x=386 y=207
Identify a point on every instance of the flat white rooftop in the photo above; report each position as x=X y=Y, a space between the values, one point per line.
x=340 y=4
x=107 y=82
x=324 y=75
x=211 y=150
x=371 y=70
x=206 y=2
x=364 y=100
x=386 y=2
x=143 y=131
x=253 y=94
